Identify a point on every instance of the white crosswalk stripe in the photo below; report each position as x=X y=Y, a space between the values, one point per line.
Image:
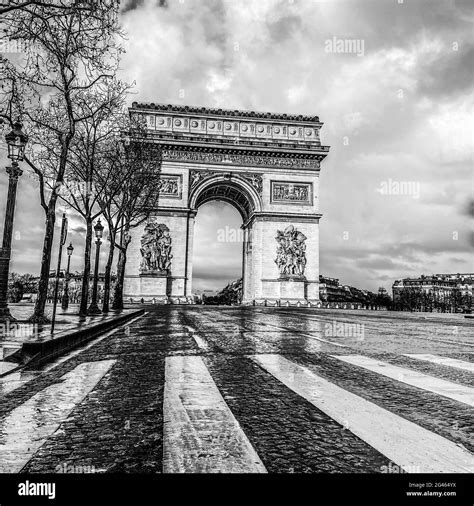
x=26 y=428
x=410 y=446
x=417 y=379
x=450 y=362
x=200 y=433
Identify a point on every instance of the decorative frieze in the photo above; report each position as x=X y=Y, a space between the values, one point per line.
x=239 y=159
x=291 y=193
x=237 y=129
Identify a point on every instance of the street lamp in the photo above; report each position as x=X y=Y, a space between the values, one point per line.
x=16 y=141
x=65 y=300
x=94 y=308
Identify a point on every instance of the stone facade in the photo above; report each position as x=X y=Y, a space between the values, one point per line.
x=266 y=165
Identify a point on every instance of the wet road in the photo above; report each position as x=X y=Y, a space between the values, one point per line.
x=202 y=389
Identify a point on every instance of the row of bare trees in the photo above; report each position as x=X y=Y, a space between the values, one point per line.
x=84 y=149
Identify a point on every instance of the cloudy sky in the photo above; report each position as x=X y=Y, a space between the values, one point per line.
x=397 y=113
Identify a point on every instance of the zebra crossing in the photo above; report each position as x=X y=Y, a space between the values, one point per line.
x=406 y=444
x=403 y=442
x=205 y=431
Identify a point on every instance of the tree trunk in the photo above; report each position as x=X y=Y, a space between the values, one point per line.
x=87 y=268
x=118 y=291
x=38 y=315
x=108 y=270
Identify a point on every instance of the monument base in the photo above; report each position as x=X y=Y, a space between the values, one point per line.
x=147 y=286
x=292 y=288
x=155 y=287
x=288 y=290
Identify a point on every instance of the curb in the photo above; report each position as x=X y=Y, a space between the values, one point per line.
x=34 y=354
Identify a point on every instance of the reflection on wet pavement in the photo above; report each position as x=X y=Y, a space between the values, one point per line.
x=25 y=429
x=15 y=380
x=266 y=335
x=48 y=422
x=370 y=331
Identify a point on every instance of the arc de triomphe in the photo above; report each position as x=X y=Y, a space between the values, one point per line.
x=267 y=166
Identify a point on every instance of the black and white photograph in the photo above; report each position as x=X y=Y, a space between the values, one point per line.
x=237 y=256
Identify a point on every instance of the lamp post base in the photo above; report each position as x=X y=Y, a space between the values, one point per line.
x=6 y=316
x=93 y=310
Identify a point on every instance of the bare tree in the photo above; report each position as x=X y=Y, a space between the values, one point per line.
x=75 y=51
x=136 y=165
x=53 y=6
x=88 y=178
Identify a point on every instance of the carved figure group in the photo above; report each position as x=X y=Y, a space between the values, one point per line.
x=156 y=248
x=290 y=192
x=291 y=251
x=168 y=185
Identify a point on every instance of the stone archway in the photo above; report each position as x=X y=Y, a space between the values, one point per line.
x=238 y=191
x=265 y=165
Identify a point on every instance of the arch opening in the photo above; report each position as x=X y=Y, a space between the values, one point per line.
x=234 y=191
x=217 y=252
x=225 y=189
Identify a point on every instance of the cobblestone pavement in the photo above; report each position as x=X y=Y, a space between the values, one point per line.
x=190 y=389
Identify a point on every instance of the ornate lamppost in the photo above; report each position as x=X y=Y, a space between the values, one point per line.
x=16 y=141
x=65 y=299
x=94 y=308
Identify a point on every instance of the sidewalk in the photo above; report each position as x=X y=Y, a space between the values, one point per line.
x=22 y=334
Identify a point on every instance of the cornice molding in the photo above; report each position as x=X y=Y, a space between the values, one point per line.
x=219 y=126
x=236 y=113
x=275 y=216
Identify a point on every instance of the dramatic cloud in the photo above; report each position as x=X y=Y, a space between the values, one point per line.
x=397 y=114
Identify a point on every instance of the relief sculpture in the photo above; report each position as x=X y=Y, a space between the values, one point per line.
x=291 y=192
x=155 y=249
x=291 y=252
x=169 y=185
